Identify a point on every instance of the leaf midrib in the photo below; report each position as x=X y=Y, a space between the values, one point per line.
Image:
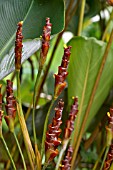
x=13 y=36
x=82 y=100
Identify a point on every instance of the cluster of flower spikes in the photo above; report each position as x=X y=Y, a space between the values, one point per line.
x=66 y=163
x=109 y=130
x=72 y=116
x=10 y=106
x=18 y=46
x=62 y=73
x=109 y=158
x=52 y=135
x=45 y=42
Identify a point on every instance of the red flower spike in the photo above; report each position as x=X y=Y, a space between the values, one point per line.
x=0 y=97
x=1 y=115
x=70 y=122
x=60 y=83
x=18 y=46
x=45 y=42
x=1 y=112
x=66 y=163
x=52 y=140
x=10 y=106
x=109 y=159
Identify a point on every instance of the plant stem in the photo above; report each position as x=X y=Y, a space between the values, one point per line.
x=81 y=17
x=111 y=167
x=76 y=145
x=45 y=166
x=73 y=11
x=64 y=146
x=105 y=155
x=8 y=152
x=36 y=90
x=45 y=128
x=12 y=154
x=25 y=133
x=23 y=160
x=19 y=135
x=99 y=158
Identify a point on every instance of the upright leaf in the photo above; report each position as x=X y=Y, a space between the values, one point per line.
x=85 y=62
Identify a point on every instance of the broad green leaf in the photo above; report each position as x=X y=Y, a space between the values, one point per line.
x=7 y=62
x=33 y=13
x=84 y=65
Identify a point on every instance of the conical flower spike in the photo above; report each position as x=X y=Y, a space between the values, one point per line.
x=52 y=135
x=62 y=73
x=18 y=46
x=45 y=42
x=70 y=122
x=10 y=106
x=66 y=163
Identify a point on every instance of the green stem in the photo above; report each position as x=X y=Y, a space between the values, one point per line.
x=8 y=152
x=23 y=126
x=45 y=128
x=99 y=158
x=23 y=160
x=64 y=146
x=45 y=166
x=81 y=17
x=105 y=155
x=39 y=75
x=19 y=135
x=36 y=89
x=111 y=167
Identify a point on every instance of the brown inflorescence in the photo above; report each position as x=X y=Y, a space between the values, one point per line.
x=18 y=46
x=0 y=97
x=66 y=163
x=52 y=135
x=109 y=158
x=110 y=2
x=10 y=106
x=70 y=122
x=62 y=73
x=45 y=42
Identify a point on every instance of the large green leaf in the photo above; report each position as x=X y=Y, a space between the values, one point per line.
x=33 y=13
x=84 y=65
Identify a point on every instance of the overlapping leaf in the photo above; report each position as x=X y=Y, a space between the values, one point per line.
x=33 y=13
x=84 y=65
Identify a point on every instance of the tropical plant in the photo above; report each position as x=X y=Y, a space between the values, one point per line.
x=78 y=134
